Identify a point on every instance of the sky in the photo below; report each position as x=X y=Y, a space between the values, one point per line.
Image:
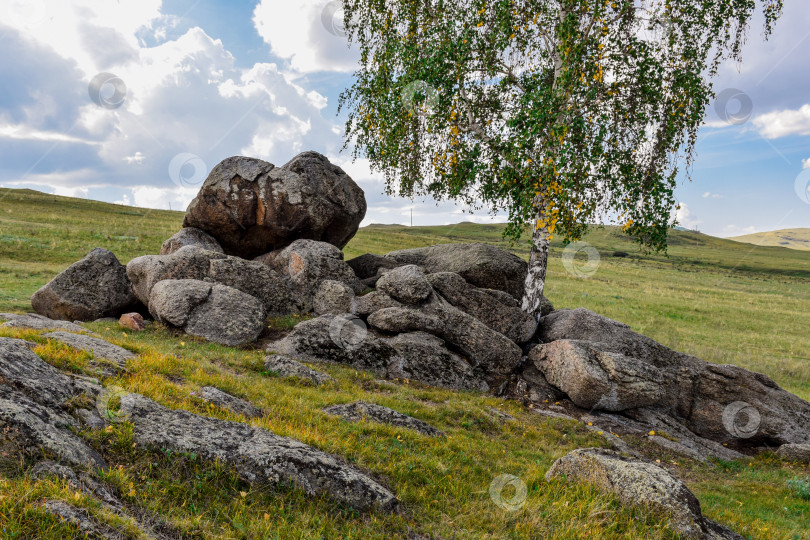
x=134 y=101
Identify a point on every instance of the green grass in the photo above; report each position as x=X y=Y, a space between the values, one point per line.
x=721 y=300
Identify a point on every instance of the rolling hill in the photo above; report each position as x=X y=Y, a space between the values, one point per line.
x=788 y=238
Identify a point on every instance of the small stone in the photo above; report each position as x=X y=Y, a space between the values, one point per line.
x=132 y=321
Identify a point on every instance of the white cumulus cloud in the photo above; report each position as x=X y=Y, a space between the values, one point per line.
x=783 y=123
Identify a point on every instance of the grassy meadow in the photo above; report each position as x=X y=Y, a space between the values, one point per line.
x=724 y=301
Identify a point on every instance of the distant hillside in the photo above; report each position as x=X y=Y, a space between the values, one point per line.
x=788 y=238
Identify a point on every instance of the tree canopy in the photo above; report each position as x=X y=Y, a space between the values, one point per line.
x=558 y=112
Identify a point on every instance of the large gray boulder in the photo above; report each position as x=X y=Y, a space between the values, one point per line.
x=190 y=237
x=425 y=358
x=407 y=284
x=252 y=207
x=480 y=264
x=307 y=263
x=94 y=287
x=343 y=339
x=215 y=312
x=257 y=454
x=500 y=312
x=333 y=297
x=488 y=351
x=602 y=364
x=192 y=262
x=640 y=483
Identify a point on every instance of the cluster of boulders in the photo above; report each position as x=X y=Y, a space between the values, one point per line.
x=262 y=241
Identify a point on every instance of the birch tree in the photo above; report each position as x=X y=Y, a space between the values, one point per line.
x=560 y=113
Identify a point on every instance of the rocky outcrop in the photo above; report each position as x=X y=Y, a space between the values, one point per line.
x=639 y=483
x=191 y=262
x=252 y=207
x=481 y=265
x=360 y=410
x=368 y=266
x=407 y=284
x=307 y=263
x=215 y=312
x=500 y=312
x=603 y=365
x=259 y=455
x=89 y=527
x=332 y=297
x=94 y=287
x=190 y=237
x=226 y=401
x=287 y=367
x=424 y=357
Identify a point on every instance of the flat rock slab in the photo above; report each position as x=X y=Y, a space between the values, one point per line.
x=82 y=519
x=33 y=321
x=259 y=455
x=101 y=349
x=287 y=367
x=224 y=400
x=360 y=410
x=636 y=483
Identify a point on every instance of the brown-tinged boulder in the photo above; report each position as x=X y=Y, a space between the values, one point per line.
x=252 y=207
x=481 y=265
x=190 y=236
x=306 y=263
x=500 y=314
x=214 y=312
x=259 y=456
x=132 y=321
x=94 y=287
x=640 y=483
x=360 y=410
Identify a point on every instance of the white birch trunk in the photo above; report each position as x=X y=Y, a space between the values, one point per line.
x=536 y=276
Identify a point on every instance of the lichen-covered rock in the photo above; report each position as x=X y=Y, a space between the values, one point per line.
x=190 y=236
x=407 y=284
x=336 y=338
x=38 y=322
x=374 y=301
x=424 y=357
x=360 y=410
x=215 y=312
x=192 y=262
x=800 y=453
x=252 y=207
x=259 y=455
x=287 y=367
x=639 y=483
x=481 y=265
x=332 y=297
x=224 y=400
x=500 y=314
x=90 y=527
x=98 y=347
x=94 y=287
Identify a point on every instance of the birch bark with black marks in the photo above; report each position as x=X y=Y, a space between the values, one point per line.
x=538 y=261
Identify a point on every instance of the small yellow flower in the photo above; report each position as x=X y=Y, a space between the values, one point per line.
x=243 y=493
x=652 y=433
